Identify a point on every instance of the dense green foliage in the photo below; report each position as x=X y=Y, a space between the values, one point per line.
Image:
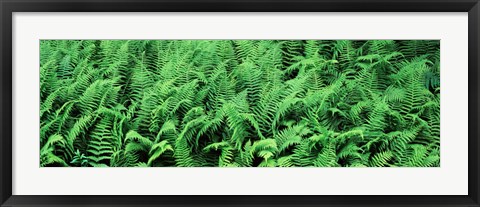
x=269 y=103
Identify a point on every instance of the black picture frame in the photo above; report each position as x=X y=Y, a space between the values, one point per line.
x=7 y=7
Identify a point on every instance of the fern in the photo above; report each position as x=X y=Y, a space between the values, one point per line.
x=240 y=103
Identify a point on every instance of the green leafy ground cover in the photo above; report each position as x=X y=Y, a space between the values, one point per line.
x=239 y=103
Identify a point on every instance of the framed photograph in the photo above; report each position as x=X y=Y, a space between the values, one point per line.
x=239 y=103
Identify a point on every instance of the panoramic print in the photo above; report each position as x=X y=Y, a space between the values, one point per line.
x=239 y=103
